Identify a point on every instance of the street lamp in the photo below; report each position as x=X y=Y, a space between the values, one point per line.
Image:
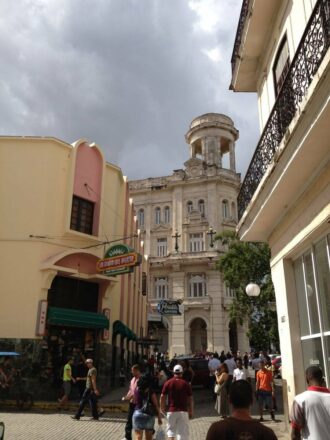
x=176 y=236
x=252 y=289
x=211 y=233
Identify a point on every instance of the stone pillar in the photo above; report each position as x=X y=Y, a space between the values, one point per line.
x=232 y=156
x=177 y=334
x=192 y=150
x=243 y=342
x=220 y=153
x=217 y=335
x=177 y=217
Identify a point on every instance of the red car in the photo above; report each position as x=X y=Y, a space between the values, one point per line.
x=277 y=364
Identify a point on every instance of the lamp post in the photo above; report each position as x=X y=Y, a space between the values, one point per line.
x=176 y=236
x=252 y=290
x=211 y=233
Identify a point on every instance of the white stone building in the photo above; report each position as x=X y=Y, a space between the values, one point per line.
x=282 y=53
x=192 y=203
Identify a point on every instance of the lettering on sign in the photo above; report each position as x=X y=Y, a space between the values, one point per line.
x=118 y=259
x=168 y=307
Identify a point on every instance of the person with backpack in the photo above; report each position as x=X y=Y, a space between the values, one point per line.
x=146 y=408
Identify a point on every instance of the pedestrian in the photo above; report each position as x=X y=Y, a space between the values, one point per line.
x=240 y=424
x=67 y=380
x=265 y=389
x=246 y=360
x=231 y=364
x=310 y=412
x=213 y=365
x=136 y=373
x=90 y=394
x=180 y=405
x=221 y=403
x=239 y=373
x=255 y=363
x=188 y=372
x=146 y=407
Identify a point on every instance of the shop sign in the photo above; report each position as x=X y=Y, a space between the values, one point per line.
x=118 y=260
x=168 y=307
x=106 y=333
x=41 y=318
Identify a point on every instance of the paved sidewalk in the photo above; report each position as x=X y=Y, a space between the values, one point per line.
x=50 y=425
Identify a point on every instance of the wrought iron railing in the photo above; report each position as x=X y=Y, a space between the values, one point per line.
x=240 y=27
x=309 y=55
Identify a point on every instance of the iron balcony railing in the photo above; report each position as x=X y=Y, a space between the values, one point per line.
x=240 y=27
x=309 y=55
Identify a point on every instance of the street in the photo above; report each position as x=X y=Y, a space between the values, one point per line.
x=40 y=426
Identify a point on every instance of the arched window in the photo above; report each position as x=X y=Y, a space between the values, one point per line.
x=189 y=206
x=157 y=216
x=141 y=218
x=167 y=215
x=161 y=287
x=201 y=207
x=225 y=209
x=197 y=286
x=233 y=211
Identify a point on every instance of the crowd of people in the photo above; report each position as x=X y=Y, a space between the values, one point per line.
x=161 y=390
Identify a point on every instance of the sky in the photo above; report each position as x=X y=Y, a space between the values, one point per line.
x=129 y=75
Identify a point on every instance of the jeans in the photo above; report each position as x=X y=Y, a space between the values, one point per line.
x=88 y=396
x=129 y=423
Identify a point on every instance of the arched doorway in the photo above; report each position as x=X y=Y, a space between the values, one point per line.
x=198 y=335
x=233 y=340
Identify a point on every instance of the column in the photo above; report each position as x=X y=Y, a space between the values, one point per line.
x=192 y=151
x=177 y=334
x=232 y=156
x=217 y=335
x=220 y=153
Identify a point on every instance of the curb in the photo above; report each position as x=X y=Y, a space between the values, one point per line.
x=109 y=407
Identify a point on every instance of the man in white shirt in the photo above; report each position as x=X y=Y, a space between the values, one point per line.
x=239 y=372
x=310 y=412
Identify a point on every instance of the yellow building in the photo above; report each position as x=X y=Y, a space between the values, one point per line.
x=62 y=207
x=282 y=53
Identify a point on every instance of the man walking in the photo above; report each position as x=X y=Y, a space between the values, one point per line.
x=240 y=425
x=239 y=373
x=180 y=405
x=310 y=413
x=131 y=397
x=91 y=392
x=265 y=389
x=67 y=378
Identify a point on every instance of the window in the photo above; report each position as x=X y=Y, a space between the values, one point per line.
x=157 y=216
x=312 y=277
x=230 y=293
x=225 y=209
x=141 y=218
x=281 y=65
x=189 y=207
x=167 y=215
x=196 y=242
x=197 y=286
x=161 y=287
x=161 y=247
x=82 y=215
x=201 y=207
x=233 y=211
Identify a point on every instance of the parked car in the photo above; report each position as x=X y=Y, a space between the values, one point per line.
x=201 y=370
x=277 y=364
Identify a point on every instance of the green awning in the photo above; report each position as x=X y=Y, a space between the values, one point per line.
x=119 y=328
x=76 y=318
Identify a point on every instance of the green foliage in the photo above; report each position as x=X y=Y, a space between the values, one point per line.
x=242 y=263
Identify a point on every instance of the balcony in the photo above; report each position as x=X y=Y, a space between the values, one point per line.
x=253 y=28
x=311 y=52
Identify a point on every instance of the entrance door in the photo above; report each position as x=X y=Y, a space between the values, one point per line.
x=198 y=335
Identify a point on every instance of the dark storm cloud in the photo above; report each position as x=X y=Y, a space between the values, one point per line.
x=129 y=75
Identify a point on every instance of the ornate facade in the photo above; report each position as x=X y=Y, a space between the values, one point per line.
x=178 y=215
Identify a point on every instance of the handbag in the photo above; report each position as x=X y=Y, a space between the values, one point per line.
x=147 y=406
x=217 y=387
x=160 y=434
